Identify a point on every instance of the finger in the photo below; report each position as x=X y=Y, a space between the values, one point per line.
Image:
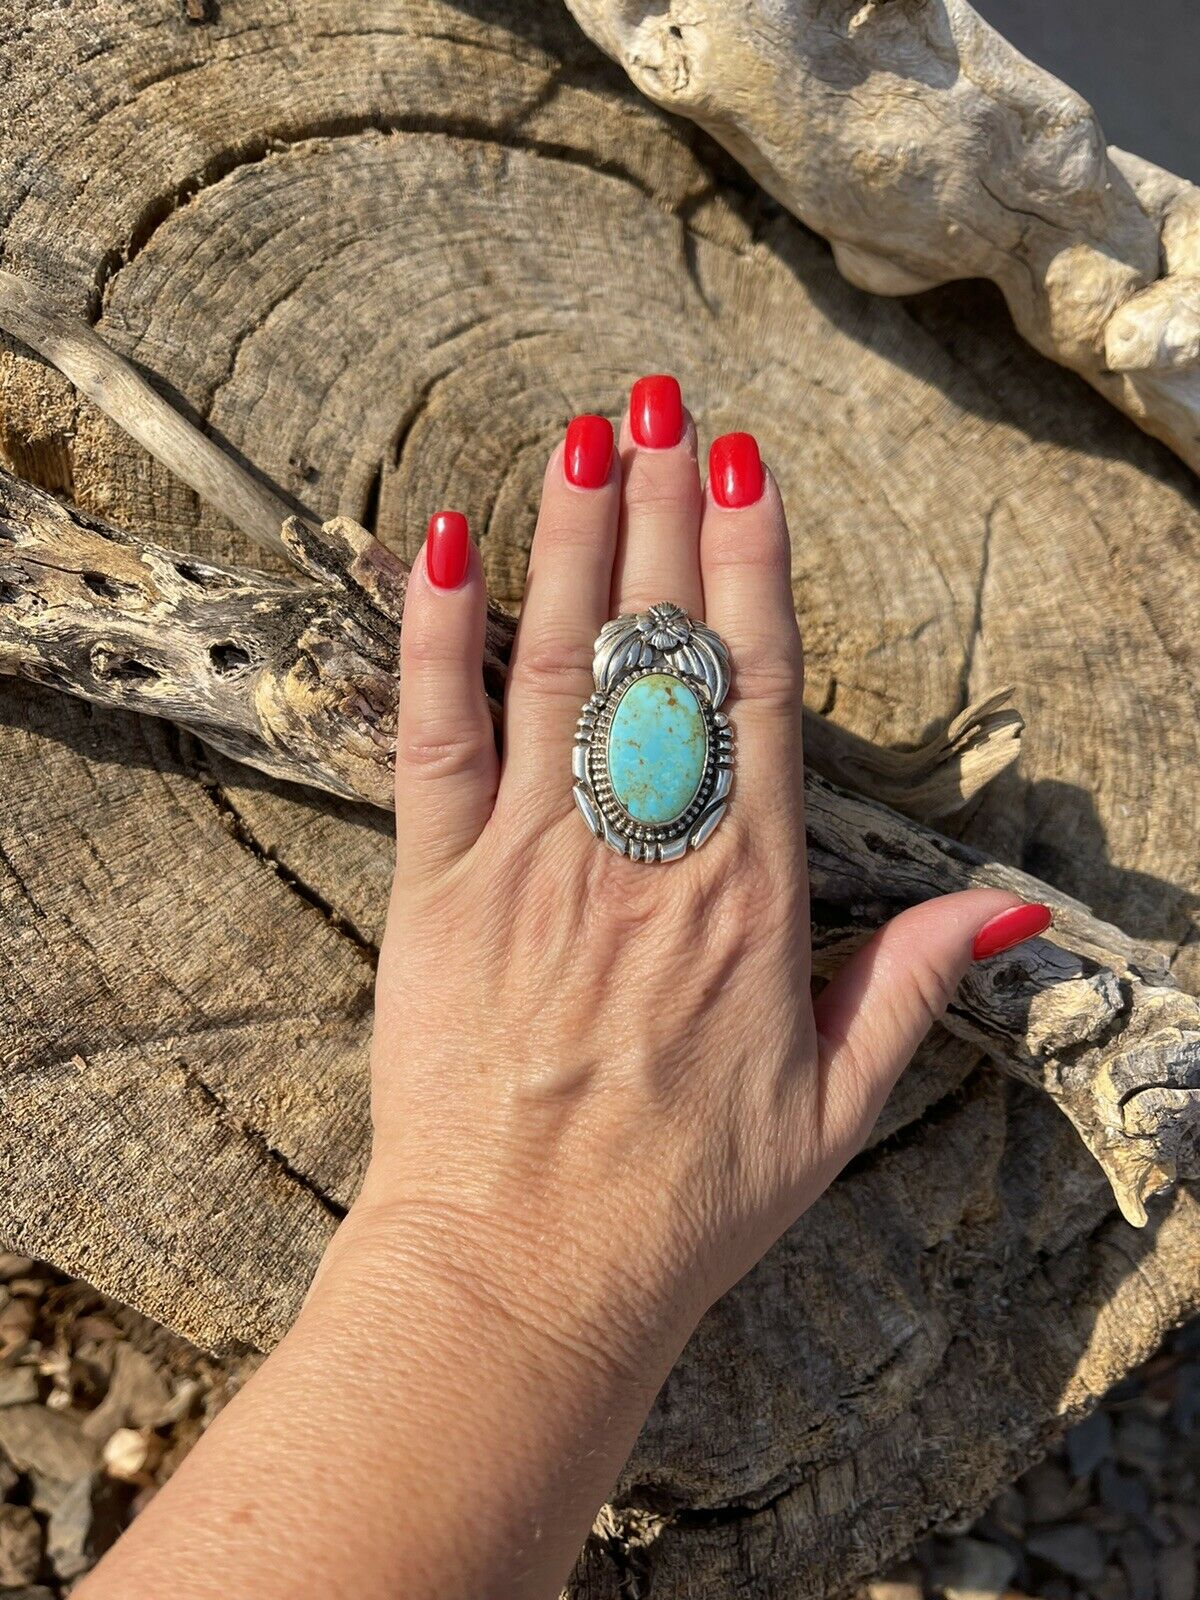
x=658 y=555
x=745 y=562
x=565 y=606
x=446 y=764
x=875 y=1013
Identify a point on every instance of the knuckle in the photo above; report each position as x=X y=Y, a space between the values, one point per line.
x=933 y=989
x=621 y=899
x=753 y=546
x=666 y=494
x=567 y=536
x=759 y=907
x=443 y=752
x=426 y=647
x=772 y=678
x=554 y=663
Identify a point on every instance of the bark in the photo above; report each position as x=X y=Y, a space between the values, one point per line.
x=382 y=255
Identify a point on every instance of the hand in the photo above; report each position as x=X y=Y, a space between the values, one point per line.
x=608 y=1076
x=600 y=1086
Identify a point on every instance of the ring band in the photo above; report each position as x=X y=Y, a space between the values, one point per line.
x=653 y=754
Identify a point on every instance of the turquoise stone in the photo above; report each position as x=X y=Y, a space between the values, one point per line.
x=657 y=748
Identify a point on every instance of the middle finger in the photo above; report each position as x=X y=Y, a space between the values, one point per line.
x=658 y=543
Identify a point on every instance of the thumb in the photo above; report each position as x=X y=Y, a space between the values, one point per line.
x=879 y=1007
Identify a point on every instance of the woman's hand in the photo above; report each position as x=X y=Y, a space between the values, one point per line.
x=600 y=1087
x=607 y=1070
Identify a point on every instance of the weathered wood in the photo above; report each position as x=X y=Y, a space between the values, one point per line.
x=297 y=681
x=120 y=392
x=301 y=684
x=383 y=253
x=926 y=148
x=1084 y=1016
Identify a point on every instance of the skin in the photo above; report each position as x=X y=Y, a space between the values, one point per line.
x=600 y=1092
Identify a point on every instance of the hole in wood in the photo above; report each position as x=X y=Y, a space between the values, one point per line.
x=193 y=574
x=130 y=670
x=104 y=588
x=228 y=657
x=24 y=599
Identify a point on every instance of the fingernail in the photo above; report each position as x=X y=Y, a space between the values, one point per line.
x=447 y=549
x=1010 y=928
x=656 y=412
x=588 y=452
x=735 y=473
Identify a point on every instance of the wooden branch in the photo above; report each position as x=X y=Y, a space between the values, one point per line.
x=1089 y=1016
x=301 y=683
x=298 y=681
x=119 y=390
x=925 y=148
x=932 y=781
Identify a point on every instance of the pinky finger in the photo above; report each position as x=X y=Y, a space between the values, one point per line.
x=446 y=762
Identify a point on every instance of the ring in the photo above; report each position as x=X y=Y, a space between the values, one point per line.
x=653 y=754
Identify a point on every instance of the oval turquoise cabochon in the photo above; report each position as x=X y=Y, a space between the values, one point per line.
x=657 y=748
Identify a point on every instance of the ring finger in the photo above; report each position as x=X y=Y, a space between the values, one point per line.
x=746 y=556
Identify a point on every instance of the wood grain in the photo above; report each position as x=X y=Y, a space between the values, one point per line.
x=926 y=148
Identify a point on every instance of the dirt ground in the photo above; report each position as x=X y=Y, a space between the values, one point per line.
x=1112 y=1512
x=98 y=1406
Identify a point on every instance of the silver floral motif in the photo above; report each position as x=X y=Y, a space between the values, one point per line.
x=665 y=625
x=660 y=641
x=663 y=636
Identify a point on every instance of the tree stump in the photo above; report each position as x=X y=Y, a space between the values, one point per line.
x=382 y=254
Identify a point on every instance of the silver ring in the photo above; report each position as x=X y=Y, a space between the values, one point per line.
x=653 y=754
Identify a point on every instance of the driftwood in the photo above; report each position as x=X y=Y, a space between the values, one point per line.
x=924 y=147
x=383 y=253
x=301 y=684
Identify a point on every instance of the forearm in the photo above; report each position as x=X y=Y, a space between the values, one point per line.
x=427 y=1428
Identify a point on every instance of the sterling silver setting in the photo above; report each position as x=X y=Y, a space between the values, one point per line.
x=662 y=640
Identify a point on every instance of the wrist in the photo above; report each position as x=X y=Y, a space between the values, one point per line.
x=582 y=1303
x=508 y=1401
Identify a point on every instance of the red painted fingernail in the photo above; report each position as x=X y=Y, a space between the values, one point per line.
x=656 y=412
x=447 y=549
x=735 y=473
x=1010 y=928
x=588 y=452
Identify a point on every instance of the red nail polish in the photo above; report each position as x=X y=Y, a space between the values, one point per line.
x=656 y=412
x=735 y=473
x=588 y=452
x=447 y=549
x=1010 y=928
